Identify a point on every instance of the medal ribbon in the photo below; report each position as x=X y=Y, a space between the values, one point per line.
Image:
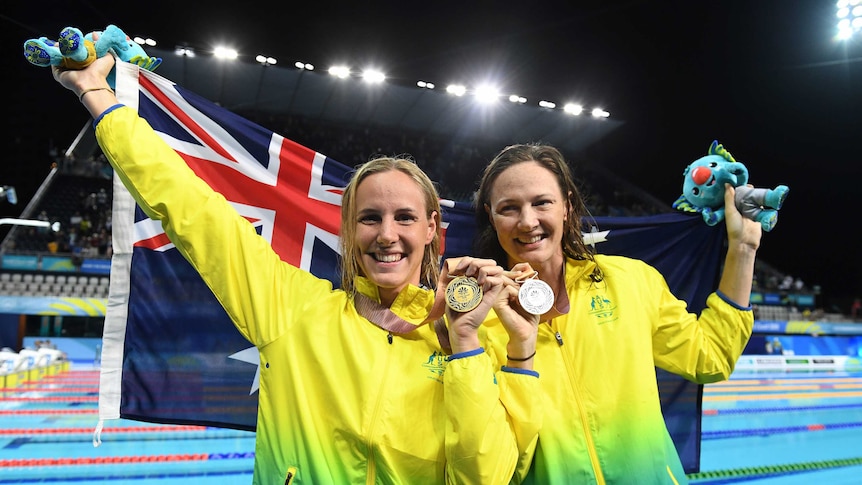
x=386 y=319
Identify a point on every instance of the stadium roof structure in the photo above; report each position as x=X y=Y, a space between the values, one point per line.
x=242 y=87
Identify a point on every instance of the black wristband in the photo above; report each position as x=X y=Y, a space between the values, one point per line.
x=514 y=359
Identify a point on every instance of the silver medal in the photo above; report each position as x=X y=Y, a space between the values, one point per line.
x=536 y=296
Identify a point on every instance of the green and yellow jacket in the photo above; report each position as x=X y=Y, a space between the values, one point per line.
x=602 y=418
x=339 y=402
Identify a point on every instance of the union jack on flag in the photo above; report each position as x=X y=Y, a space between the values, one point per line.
x=170 y=352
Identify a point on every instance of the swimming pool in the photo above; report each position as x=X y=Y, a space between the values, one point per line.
x=764 y=428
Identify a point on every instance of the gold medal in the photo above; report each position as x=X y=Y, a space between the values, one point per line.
x=536 y=296
x=463 y=294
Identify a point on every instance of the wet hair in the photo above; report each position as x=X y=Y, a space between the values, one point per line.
x=486 y=243
x=350 y=252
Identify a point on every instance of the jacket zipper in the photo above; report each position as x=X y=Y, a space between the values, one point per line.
x=585 y=423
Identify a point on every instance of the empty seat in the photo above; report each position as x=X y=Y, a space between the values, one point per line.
x=5 y=277
x=61 y=279
x=27 y=278
x=104 y=281
x=50 y=279
x=16 y=277
x=72 y=280
x=39 y=278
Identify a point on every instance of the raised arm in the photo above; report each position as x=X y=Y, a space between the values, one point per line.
x=743 y=240
x=238 y=265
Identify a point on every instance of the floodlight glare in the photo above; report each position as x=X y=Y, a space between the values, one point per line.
x=456 y=89
x=266 y=61
x=373 y=76
x=147 y=41
x=225 y=53
x=341 y=72
x=486 y=94
x=517 y=99
x=573 y=109
x=425 y=84
x=849 y=13
x=184 y=51
x=600 y=113
x=547 y=104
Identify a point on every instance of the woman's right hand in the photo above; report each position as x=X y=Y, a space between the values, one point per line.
x=93 y=76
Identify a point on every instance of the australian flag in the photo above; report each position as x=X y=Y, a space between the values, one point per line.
x=170 y=352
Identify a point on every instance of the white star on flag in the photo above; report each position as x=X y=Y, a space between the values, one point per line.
x=595 y=236
x=251 y=356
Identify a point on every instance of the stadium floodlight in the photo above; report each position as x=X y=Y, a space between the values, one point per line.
x=849 y=13
x=425 y=84
x=225 y=53
x=573 y=109
x=517 y=99
x=341 y=72
x=304 y=65
x=147 y=41
x=486 y=94
x=600 y=113
x=456 y=89
x=547 y=104
x=8 y=192
x=266 y=61
x=184 y=51
x=373 y=76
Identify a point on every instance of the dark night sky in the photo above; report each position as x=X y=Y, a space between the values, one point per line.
x=763 y=77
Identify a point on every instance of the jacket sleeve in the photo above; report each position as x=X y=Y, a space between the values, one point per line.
x=702 y=348
x=492 y=421
x=221 y=245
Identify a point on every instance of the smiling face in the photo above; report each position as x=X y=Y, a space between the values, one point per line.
x=528 y=212
x=393 y=227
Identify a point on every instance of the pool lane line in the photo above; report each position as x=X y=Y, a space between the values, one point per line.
x=127 y=476
x=794 y=395
x=89 y=430
x=743 y=474
x=738 y=433
x=52 y=398
x=772 y=388
x=78 y=390
x=49 y=412
x=778 y=409
x=783 y=381
x=113 y=460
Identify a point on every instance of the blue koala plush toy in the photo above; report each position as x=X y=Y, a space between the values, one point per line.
x=74 y=50
x=703 y=190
